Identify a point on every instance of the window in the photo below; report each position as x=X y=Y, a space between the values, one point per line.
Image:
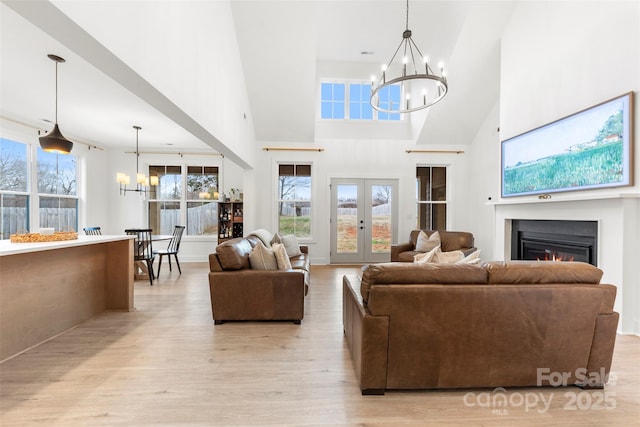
x=57 y=180
x=359 y=105
x=202 y=213
x=389 y=100
x=190 y=188
x=431 y=195
x=338 y=103
x=332 y=100
x=294 y=199
x=14 y=194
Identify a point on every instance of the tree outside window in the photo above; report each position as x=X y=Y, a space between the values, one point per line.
x=294 y=199
x=57 y=179
x=14 y=194
x=191 y=188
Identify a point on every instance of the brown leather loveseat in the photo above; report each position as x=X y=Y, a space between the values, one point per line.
x=239 y=292
x=501 y=324
x=451 y=241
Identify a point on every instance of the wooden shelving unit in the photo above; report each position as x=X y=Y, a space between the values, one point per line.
x=230 y=223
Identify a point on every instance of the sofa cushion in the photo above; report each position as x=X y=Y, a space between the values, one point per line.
x=426 y=256
x=262 y=258
x=234 y=254
x=472 y=258
x=281 y=256
x=426 y=243
x=542 y=272
x=450 y=240
x=290 y=243
x=414 y=273
x=451 y=257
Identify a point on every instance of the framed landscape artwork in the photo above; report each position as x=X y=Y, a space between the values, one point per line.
x=590 y=149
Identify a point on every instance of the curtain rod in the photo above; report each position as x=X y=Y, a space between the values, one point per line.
x=291 y=149
x=436 y=151
x=179 y=153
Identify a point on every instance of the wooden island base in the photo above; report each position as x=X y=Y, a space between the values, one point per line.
x=47 y=288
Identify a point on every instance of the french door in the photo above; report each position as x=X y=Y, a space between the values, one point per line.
x=363 y=219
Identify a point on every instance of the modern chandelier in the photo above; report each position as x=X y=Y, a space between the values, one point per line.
x=420 y=87
x=142 y=181
x=54 y=141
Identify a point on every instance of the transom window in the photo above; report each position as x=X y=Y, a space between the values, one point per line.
x=350 y=100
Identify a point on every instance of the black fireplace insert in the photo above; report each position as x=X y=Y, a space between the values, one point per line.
x=554 y=240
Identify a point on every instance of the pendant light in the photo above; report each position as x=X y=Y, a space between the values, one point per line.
x=54 y=141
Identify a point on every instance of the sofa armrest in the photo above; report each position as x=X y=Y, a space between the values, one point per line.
x=398 y=248
x=367 y=338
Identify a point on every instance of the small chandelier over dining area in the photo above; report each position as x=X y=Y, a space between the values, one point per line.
x=420 y=87
x=142 y=181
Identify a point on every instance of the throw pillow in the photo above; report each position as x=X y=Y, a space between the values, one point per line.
x=281 y=256
x=291 y=245
x=450 y=257
x=426 y=243
x=472 y=258
x=426 y=257
x=262 y=258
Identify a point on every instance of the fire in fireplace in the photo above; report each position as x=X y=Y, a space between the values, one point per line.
x=557 y=240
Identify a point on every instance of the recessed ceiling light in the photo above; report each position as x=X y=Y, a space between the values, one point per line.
x=46 y=120
x=367 y=52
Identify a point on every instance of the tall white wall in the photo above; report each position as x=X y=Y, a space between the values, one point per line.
x=557 y=59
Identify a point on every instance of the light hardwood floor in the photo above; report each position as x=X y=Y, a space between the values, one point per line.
x=166 y=364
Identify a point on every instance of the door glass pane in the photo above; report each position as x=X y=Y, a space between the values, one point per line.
x=347 y=216
x=381 y=218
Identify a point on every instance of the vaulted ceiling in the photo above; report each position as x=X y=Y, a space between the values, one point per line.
x=285 y=47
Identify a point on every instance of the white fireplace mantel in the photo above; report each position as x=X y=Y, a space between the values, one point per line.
x=576 y=197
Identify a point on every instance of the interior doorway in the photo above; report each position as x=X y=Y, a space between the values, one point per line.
x=363 y=219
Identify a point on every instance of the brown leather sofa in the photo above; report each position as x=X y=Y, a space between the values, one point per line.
x=451 y=241
x=501 y=324
x=240 y=293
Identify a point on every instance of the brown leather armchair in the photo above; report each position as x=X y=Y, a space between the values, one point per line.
x=451 y=241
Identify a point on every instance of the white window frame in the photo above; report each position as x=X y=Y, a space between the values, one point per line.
x=347 y=83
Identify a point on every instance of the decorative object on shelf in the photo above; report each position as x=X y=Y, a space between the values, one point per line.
x=39 y=237
x=420 y=86
x=235 y=194
x=230 y=221
x=54 y=141
x=142 y=181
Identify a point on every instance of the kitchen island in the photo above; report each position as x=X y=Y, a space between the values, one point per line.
x=47 y=288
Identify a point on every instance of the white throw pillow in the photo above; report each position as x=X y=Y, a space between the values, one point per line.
x=281 y=256
x=426 y=243
x=426 y=257
x=450 y=257
x=472 y=258
x=262 y=258
x=291 y=245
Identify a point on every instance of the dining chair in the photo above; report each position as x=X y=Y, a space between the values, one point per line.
x=92 y=231
x=143 y=249
x=172 y=248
